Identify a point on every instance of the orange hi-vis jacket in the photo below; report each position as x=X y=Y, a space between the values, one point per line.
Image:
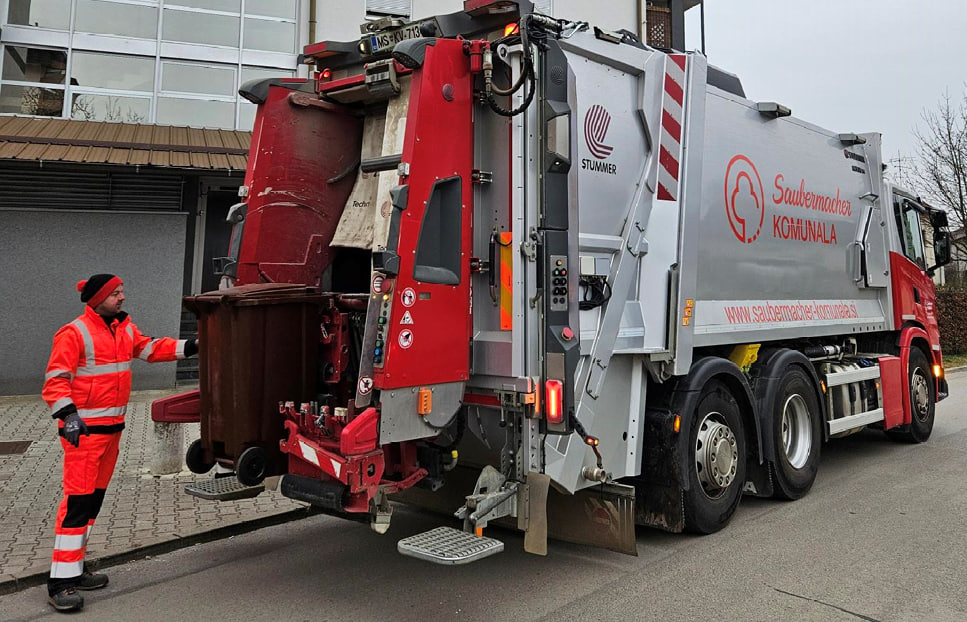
x=90 y=367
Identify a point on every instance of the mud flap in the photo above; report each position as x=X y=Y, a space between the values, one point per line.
x=535 y=522
x=603 y=516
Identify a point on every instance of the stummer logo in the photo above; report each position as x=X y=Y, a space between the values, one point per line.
x=597 y=121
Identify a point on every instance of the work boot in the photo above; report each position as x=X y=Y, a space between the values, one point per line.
x=92 y=581
x=66 y=600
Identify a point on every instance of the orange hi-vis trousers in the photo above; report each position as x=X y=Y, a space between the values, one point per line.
x=87 y=472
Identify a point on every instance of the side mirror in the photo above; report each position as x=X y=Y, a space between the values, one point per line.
x=941 y=248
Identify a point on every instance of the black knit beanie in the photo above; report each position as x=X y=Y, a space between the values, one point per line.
x=93 y=290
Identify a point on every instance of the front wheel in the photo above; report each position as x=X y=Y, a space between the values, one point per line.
x=717 y=463
x=923 y=401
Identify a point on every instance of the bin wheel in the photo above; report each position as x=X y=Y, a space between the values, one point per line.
x=250 y=466
x=195 y=459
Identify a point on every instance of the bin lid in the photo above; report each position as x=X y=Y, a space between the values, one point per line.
x=255 y=294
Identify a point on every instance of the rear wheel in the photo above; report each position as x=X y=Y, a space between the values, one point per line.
x=717 y=462
x=250 y=466
x=922 y=401
x=797 y=434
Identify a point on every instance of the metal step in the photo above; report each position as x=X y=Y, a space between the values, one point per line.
x=446 y=545
x=854 y=421
x=223 y=489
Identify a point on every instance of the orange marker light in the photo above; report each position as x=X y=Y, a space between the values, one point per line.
x=554 y=398
x=510 y=29
x=677 y=424
x=937 y=371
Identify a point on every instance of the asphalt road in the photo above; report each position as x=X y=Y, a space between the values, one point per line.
x=880 y=537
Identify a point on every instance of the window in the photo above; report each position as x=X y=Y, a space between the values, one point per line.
x=196 y=112
x=231 y=6
x=113 y=108
x=117 y=18
x=33 y=81
x=24 y=64
x=269 y=35
x=112 y=71
x=907 y=215
x=396 y=8
x=271 y=8
x=201 y=79
x=195 y=27
x=54 y=14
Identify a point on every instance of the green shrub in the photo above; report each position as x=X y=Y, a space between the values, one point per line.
x=952 y=317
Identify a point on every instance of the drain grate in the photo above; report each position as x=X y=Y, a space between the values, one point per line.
x=13 y=448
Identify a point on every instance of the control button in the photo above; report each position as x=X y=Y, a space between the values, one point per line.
x=379 y=343
x=557 y=272
x=378 y=360
x=559 y=262
x=567 y=334
x=377 y=352
x=563 y=272
x=381 y=320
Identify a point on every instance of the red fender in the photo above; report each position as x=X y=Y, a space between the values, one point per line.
x=907 y=335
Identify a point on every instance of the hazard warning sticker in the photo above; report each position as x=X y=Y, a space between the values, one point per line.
x=365 y=385
x=405 y=338
x=407 y=318
x=408 y=297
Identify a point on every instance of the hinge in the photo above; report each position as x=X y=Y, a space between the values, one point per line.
x=481 y=177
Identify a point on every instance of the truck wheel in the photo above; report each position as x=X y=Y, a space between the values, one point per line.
x=797 y=434
x=717 y=463
x=195 y=459
x=922 y=401
x=250 y=466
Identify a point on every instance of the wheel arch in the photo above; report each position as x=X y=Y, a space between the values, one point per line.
x=913 y=336
x=688 y=392
x=766 y=375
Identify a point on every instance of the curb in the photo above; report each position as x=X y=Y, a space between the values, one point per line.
x=10 y=585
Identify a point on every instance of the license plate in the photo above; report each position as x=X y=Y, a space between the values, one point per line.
x=382 y=41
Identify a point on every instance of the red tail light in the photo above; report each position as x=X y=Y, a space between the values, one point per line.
x=326 y=74
x=554 y=400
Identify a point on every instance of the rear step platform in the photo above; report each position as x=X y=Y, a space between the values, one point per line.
x=223 y=489
x=449 y=546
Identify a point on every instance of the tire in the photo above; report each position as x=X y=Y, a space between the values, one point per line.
x=195 y=459
x=797 y=434
x=717 y=455
x=923 y=398
x=250 y=466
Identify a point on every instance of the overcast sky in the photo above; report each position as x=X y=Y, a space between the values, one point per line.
x=846 y=65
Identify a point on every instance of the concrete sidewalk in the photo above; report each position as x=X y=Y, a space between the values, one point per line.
x=142 y=514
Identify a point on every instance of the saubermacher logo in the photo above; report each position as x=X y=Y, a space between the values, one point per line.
x=744 y=199
x=596 y=123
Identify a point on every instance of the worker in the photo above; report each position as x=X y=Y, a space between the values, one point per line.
x=87 y=386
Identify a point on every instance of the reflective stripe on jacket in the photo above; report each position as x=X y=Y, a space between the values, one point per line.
x=90 y=366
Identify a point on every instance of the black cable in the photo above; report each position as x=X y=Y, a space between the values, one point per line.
x=597 y=291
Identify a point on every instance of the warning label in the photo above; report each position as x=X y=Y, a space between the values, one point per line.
x=407 y=318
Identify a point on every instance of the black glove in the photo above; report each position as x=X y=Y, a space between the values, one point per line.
x=74 y=426
x=191 y=348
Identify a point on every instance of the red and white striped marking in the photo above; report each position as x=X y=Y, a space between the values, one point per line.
x=670 y=145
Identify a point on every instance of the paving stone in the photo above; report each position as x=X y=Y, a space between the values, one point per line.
x=139 y=509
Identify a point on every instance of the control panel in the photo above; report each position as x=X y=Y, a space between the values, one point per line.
x=382 y=328
x=557 y=288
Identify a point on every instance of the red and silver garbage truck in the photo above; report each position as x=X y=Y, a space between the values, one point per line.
x=527 y=270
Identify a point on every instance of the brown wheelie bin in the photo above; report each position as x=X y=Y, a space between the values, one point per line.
x=258 y=347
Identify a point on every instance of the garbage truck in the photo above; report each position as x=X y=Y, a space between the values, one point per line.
x=536 y=273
